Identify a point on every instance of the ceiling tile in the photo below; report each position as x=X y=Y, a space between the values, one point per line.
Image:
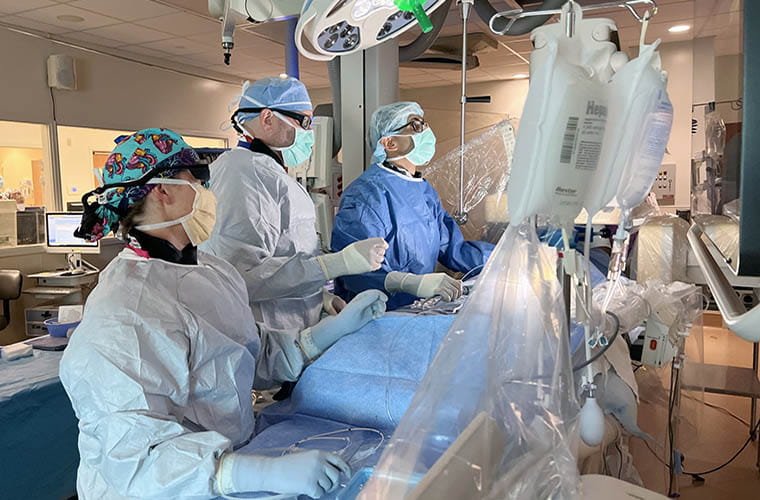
x=32 y=24
x=220 y=68
x=272 y=31
x=144 y=51
x=14 y=6
x=728 y=46
x=88 y=38
x=519 y=46
x=410 y=71
x=212 y=38
x=247 y=64
x=50 y=15
x=669 y=13
x=209 y=58
x=130 y=10
x=176 y=46
x=246 y=40
x=729 y=23
x=182 y=24
x=314 y=67
x=421 y=76
x=130 y=33
x=198 y=6
x=717 y=7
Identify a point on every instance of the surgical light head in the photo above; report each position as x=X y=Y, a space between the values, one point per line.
x=329 y=28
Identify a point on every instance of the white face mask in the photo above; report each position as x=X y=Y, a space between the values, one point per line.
x=201 y=219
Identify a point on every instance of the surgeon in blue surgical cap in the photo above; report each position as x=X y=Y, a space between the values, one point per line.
x=266 y=222
x=391 y=200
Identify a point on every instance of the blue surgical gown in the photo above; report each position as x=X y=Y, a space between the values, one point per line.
x=407 y=213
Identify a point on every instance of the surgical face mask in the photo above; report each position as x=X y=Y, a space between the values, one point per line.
x=201 y=219
x=423 y=149
x=300 y=150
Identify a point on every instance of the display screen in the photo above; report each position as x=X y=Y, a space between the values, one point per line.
x=60 y=231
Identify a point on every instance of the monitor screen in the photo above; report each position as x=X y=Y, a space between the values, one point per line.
x=60 y=231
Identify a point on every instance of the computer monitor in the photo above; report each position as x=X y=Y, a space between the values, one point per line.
x=61 y=239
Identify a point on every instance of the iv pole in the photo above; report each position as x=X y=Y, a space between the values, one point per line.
x=460 y=215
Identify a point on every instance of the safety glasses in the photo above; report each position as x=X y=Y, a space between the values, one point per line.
x=199 y=171
x=416 y=124
x=304 y=121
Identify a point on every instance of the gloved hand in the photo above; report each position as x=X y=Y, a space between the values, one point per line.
x=424 y=285
x=365 y=307
x=357 y=258
x=332 y=304
x=312 y=473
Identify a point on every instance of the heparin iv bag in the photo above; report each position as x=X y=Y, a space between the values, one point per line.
x=640 y=116
x=560 y=136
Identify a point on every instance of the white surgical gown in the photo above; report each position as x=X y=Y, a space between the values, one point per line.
x=159 y=373
x=265 y=227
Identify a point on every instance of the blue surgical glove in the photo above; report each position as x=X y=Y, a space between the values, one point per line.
x=312 y=473
x=364 y=308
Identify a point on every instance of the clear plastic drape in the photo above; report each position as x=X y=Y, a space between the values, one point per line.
x=495 y=415
x=487 y=160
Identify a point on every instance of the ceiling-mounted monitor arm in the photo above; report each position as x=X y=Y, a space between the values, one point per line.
x=510 y=17
x=485 y=11
x=746 y=324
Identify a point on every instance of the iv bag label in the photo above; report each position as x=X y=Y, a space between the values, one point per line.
x=568 y=141
x=591 y=135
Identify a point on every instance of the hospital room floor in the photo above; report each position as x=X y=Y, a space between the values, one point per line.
x=718 y=436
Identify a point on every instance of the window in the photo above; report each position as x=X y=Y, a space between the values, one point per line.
x=23 y=175
x=22 y=161
x=26 y=188
x=83 y=149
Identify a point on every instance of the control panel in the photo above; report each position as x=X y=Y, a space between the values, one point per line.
x=664 y=186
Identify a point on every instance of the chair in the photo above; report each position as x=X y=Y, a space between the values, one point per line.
x=10 y=289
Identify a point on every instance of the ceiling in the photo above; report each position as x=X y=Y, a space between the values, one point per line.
x=181 y=32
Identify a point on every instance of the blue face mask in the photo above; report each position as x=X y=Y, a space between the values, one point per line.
x=300 y=150
x=423 y=150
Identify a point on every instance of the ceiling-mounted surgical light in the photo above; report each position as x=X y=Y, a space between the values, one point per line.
x=363 y=8
x=679 y=28
x=328 y=28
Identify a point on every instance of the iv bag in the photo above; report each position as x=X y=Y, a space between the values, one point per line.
x=564 y=119
x=642 y=169
x=559 y=140
x=637 y=133
x=715 y=134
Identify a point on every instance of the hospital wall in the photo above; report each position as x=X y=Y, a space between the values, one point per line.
x=77 y=145
x=442 y=108
x=678 y=61
x=112 y=94
x=441 y=105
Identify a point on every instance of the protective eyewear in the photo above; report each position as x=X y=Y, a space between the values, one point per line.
x=200 y=172
x=416 y=124
x=304 y=121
